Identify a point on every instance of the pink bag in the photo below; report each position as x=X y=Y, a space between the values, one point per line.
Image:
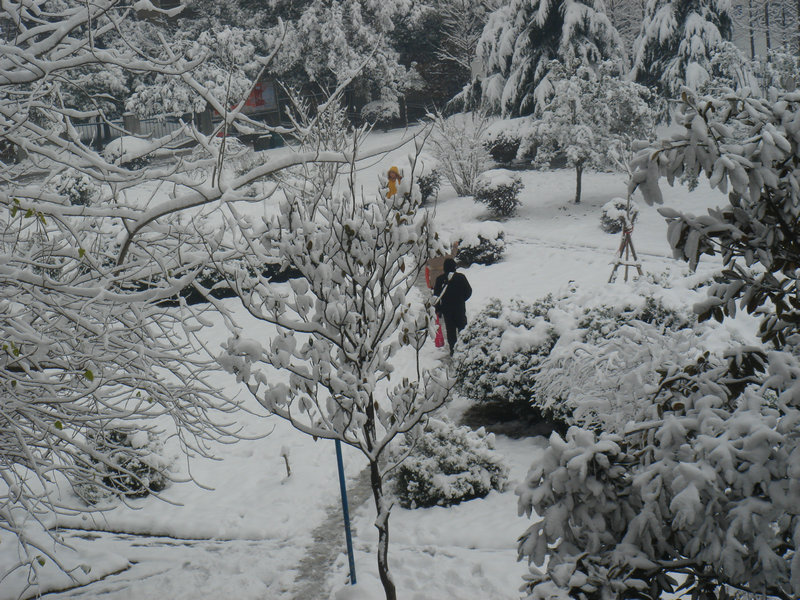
x=439 y=340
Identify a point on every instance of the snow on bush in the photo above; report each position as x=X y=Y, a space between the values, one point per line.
x=614 y=215
x=380 y=112
x=446 y=465
x=132 y=466
x=503 y=139
x=483 y=244
x=711 y=492
x=77 y=187
x=608 y=382
x=499 y=190
x=129 y=151
x=499 y=351
x=508 y=348
x=429 y=184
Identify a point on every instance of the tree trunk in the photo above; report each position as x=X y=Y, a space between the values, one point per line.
x=579 y=170
x=766 y=26
x=751 y=20
x=382 y=523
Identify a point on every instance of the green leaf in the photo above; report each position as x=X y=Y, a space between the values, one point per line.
x=13 y=211
x=81 y=252
x=88 y=374
x=58 y=425
x=40 y=560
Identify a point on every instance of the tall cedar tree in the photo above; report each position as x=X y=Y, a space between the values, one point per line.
x=521 y=39
x=677 y=41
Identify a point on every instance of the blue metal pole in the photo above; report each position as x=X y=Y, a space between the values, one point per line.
x=346 y=513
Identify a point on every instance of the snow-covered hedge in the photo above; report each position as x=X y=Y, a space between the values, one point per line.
x=129 y=151
x=483 y=244
x=447 y=464
x=565 y=355
x=614 y=215
x=139 y=467
x=503 y=138
x=499 y=190
x=498 y=351
x=380 y=112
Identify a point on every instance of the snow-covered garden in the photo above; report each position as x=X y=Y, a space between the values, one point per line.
x=218 y=249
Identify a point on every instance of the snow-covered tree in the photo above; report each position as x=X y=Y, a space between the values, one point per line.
x=457 y=145
x=224 y=61
x=520 y=41
x=341 y=324
x=592 y=118
x=677 y=41
x=707 y=488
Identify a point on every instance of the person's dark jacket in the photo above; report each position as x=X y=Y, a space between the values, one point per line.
x=452 y=304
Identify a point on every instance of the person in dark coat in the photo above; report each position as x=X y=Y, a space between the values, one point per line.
x=451 y=291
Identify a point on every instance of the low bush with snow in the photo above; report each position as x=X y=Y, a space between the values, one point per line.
x=499 y=190
x=503 y=139
x=481 y=245
x=499 y=351
x=129 y=152
x=77 y=187
x=380 y=112
x=615 y=216
x=571 y=361
x=139 y=467
x=446 y=465
x=429 y=184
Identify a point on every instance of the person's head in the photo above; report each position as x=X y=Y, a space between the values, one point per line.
x=394 y=174
x=449 y=265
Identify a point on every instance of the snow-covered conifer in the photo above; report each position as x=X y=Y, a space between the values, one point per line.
x=521 y=39
x=677 y=41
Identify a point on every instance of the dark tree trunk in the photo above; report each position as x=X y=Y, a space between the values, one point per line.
x=382 y=524
x=766 y=26
x=579 y=171
x=751 y=20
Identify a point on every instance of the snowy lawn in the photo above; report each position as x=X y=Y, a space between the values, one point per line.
x=246 y=533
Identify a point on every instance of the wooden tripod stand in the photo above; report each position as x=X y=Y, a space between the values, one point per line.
x=626 y=248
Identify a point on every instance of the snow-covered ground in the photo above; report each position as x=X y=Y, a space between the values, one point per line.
x=249 y=533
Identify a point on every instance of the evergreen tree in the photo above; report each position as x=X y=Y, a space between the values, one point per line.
x=677 y=40
x=521 y=38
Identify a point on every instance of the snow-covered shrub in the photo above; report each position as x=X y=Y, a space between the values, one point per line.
x=482 y=245
x=615 y=215
x=139 y=467
x=446 y=465
x=499 y=190
x=499 y=351
x=457 y=145
x=503 y=138
x=712 y=493
x=603 y=373
x=429 y=184
x=77 y=187
x=129 y=152
x=381 y=112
